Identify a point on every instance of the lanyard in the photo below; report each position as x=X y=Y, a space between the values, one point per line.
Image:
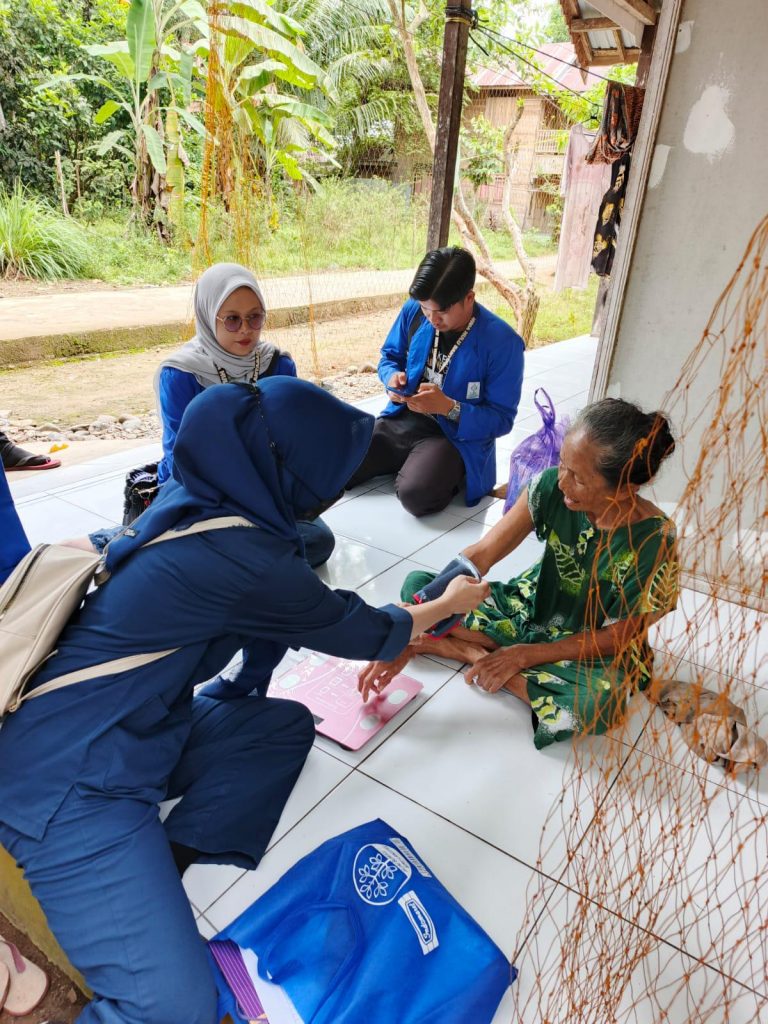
x=226 y=379
x=447 y=359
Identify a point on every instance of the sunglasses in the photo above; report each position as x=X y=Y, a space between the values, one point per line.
x=232 y=322
x=322 y=503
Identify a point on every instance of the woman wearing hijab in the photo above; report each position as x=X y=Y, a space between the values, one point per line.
x=230 y=313
x=83 y=768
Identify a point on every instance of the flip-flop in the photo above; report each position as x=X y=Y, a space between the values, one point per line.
x=29 y=983
x=28 y=462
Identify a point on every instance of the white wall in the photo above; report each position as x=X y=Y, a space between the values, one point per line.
x=708 y=189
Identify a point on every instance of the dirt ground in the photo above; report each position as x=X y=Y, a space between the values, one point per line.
x=63 y=1001
x=78 y=390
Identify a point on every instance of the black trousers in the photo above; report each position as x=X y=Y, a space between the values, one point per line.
x=428 y=469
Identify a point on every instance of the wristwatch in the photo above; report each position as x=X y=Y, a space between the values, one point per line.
x=454 y=412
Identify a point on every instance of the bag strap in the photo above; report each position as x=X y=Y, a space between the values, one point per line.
x=413 y=326
x=133 y=661
x=220 y=523
x=104 y=668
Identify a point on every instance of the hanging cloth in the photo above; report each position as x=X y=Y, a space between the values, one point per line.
x=583 y=185
x=622 y=108
x=609 y=218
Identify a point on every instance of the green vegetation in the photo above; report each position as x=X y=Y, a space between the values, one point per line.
x=35 y=242
x=562 y=315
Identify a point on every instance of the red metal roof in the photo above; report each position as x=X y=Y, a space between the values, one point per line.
x=550 y=62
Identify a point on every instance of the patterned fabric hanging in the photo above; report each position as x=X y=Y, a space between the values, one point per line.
x=622 y=108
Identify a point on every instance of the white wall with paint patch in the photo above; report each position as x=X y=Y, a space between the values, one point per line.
x=706 y=194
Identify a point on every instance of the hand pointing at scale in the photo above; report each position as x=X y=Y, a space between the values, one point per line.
x=462 y=595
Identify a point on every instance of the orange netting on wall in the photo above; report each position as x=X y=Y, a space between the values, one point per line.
x=661 y=913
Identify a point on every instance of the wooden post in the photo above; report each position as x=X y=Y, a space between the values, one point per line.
x=60 y=179
x=458 y=18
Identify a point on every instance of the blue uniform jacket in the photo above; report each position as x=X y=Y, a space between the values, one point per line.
x=176 y=390
x=13 y=541
x=209 y=594
x=485 y=375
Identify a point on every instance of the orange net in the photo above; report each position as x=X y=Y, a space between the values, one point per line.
x=651 y=898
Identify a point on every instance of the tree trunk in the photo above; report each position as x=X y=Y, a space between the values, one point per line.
x=521 y=300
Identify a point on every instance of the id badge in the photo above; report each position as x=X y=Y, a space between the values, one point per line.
x=433 y=377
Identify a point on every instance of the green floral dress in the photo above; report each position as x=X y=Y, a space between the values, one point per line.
x=587 y=578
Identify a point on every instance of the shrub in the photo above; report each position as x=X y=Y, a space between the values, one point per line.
x=35 y=241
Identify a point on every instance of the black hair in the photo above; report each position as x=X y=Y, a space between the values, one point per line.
x=631 y=444
x=444 y=276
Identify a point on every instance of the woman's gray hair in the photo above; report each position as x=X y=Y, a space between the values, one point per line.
x=631 y=444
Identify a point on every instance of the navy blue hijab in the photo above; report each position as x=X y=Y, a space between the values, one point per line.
x=273 y=453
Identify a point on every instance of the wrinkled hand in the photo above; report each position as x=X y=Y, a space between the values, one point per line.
x=493 y=670
x=464 y=594
x=397 y=380
x=430 y=399
x=379 y=674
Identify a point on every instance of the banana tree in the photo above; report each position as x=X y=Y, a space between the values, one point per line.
x=151 y=69
x=258 y=70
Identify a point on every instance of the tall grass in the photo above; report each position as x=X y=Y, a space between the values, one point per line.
x=36 y=242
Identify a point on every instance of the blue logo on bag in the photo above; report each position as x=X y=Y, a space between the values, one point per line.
x=379 y=873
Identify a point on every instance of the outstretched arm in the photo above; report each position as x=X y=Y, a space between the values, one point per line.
x=510 y=531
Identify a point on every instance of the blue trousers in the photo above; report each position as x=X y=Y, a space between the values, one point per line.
x=106 y=879
x=318 y=538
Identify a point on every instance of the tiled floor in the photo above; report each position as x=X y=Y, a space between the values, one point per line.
x=457 y=773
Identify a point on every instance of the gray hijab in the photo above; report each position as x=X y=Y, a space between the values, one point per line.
x=203 y=356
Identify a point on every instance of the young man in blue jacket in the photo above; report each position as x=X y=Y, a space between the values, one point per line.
x=453 y=373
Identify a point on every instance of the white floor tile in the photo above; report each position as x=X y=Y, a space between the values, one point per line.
x=441 y=551
x=103 y=498
x=469 y=756
x=205 y=928
x=319 y=777
x=48 y=519
x=380 y=520
x=583 y=964
x=353 y=564
x=205 y=883
x=487 y=883
x=703 y=848
x=385 y=588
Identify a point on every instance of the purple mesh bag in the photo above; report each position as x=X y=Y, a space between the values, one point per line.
x=537 y=452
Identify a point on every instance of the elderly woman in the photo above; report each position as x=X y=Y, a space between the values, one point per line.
x=568 y=636
x=82 y=769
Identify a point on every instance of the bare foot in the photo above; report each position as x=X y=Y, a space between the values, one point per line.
x=473 y=637
x=450 y=647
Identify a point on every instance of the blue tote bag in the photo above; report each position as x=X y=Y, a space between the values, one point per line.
x=361 y=932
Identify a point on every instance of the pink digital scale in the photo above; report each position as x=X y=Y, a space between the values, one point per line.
x=328 y=687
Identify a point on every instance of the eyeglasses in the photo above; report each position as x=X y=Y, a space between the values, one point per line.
x=232 y=322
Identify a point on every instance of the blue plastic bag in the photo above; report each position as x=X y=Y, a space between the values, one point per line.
x=361 y=932
x=537 y=452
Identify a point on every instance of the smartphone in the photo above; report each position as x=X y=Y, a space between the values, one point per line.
x=403 y=392
x=460 y=566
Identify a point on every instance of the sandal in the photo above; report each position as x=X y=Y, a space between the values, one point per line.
x=16 y=459
x=28 y=983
